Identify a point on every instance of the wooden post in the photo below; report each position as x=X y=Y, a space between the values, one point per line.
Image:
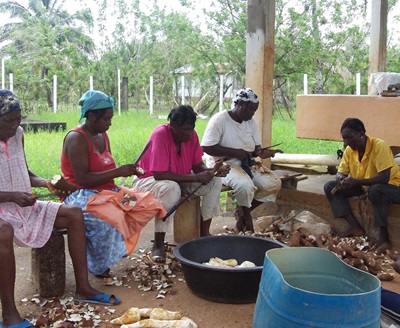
x=221 y=93
x=55 y=94
x=119 y=91
x=183 y=89
x=377 y=50
x=358 y=84
x=151 y=96
x=260 y=51
x=125 y=91
x=2 y=73
x=305 y=82
x=11 y=82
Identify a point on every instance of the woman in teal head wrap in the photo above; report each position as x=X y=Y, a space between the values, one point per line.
x=87 y=162
x=94 y=100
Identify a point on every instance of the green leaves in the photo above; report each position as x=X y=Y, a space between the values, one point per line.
x=326 y=39
x=45 y=41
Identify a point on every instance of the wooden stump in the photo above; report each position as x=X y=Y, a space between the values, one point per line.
x=48 y=266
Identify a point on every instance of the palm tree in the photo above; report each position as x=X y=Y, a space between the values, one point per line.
x=45 y=39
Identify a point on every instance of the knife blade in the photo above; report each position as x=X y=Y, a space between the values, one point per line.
x=137 y=160
x=269 y=147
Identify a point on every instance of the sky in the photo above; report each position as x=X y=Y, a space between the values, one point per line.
x=169 y=5
x=146 y=6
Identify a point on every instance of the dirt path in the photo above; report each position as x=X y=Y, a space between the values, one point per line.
x=206 y=314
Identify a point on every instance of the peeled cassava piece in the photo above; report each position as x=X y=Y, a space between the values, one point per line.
x=161 y=314
x=230 y=263
x=145 y=312
x=247 y=264
x=130 y=316
x=153 y=323
x=62 y=184
x=140 y=171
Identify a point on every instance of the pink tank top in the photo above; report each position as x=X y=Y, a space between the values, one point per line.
x=97 y=163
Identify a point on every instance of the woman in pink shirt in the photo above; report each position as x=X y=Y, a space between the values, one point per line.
x=173 y=165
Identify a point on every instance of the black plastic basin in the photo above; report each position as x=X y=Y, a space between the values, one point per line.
x=219 y=284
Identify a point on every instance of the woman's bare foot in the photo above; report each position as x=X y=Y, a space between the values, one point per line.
x=86 y=293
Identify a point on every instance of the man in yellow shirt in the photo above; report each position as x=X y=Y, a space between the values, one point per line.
x=367 y=164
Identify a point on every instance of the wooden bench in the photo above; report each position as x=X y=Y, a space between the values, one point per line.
x=187 y=216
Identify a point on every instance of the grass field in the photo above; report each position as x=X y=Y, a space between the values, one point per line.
x=130 y=131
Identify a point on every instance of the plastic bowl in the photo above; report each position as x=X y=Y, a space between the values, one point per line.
x=220 y=284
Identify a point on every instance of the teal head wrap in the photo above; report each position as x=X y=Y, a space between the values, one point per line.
x=92 y=100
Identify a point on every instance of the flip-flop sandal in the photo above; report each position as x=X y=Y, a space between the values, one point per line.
x=102 y=299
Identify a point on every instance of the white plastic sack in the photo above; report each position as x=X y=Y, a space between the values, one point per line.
x=380 y=81
x=309 y=223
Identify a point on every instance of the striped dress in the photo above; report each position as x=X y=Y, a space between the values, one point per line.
x=32 y=224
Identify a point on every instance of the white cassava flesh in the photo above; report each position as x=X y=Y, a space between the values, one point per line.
x=145 y=312
x=161 y=314
x=130 y=316
x=55 y=179
x=247 y=264
x=230 y=263
x=152 y=323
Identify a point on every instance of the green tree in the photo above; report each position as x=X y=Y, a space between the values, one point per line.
x=43 y=40
x=311 y=37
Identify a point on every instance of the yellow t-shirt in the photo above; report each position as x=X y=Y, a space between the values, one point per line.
x=377 y=158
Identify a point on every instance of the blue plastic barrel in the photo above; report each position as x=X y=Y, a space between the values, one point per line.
x=311 y=287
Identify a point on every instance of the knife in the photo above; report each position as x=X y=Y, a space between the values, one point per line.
x=138 y=159
x=269 y=147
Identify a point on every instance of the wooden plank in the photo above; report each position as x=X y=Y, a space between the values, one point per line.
x=187 y=220
x=321 y=116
